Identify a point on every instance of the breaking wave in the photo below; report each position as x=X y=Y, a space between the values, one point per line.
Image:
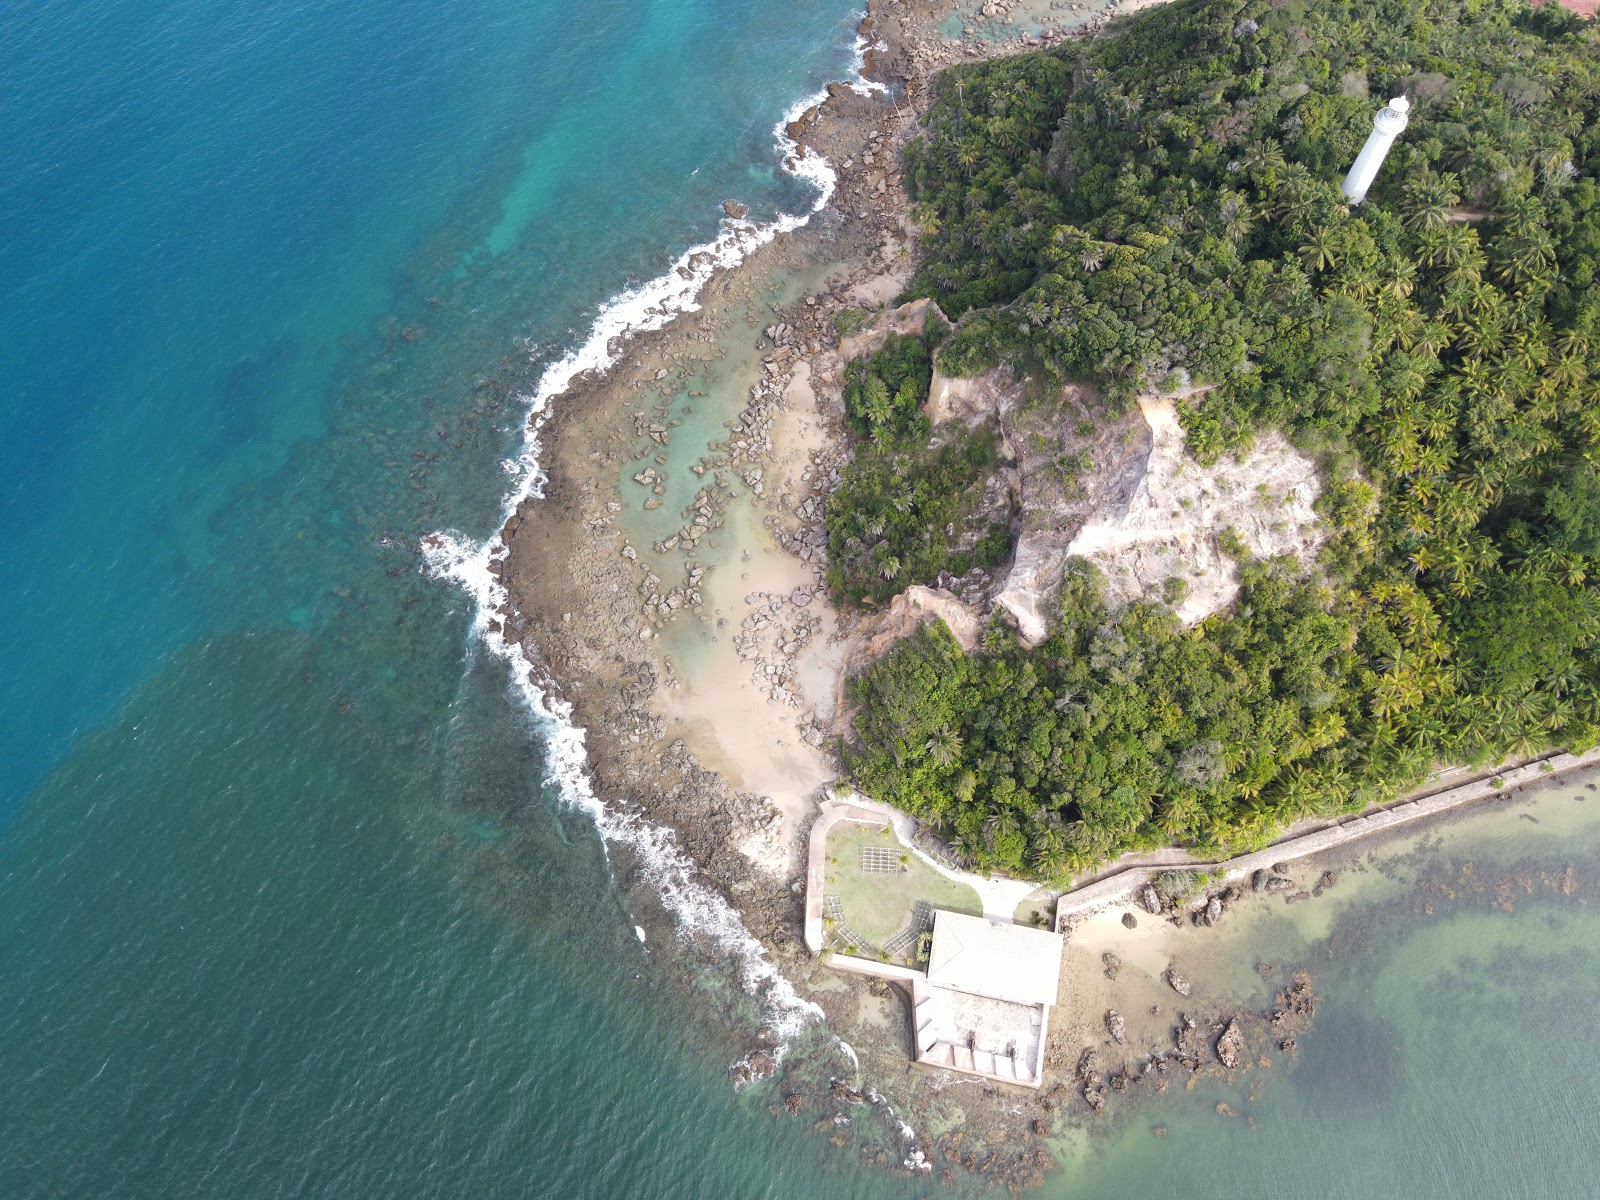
x=697 y=908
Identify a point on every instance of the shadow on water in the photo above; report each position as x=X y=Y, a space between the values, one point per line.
x=1351 y=1062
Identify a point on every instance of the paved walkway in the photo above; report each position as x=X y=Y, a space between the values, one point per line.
x=1120 y=880
x=1117 y=881
x=999 y=897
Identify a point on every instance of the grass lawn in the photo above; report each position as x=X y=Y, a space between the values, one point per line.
x=1038 y=910
x=877 y=904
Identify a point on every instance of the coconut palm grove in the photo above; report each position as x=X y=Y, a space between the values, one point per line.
x=1163 y=207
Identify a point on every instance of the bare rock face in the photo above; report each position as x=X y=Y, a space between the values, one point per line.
x=1075 y=464
x=906 y=611
x=908 y=320
x=1165 y=542
x=971 y=400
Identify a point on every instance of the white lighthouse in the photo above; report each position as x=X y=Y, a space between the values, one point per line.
x=1386 y=126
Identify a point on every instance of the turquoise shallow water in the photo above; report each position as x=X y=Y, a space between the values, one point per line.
x=1452 y=1052
x=284 y=910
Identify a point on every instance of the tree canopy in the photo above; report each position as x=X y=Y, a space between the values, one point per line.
x=1162 y=206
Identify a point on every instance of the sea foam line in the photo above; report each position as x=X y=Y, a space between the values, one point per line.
x=697 y=908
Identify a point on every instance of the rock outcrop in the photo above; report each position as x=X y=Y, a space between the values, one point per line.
x=909 y=320
x=1230 y=1046
x=1165 y=544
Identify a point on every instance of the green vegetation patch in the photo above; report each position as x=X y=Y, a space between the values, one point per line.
x=1163 y=205
x=876 y=905
x=905 y=508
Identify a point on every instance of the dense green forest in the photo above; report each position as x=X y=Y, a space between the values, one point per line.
x=902 y=511
x=1161 y=205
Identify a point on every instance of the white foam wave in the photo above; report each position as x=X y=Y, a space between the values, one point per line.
x=697 y=908
x=850 y=1052
x=859 y=83
x=649 y=306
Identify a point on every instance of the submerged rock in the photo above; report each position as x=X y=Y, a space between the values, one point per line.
x=846 y=1093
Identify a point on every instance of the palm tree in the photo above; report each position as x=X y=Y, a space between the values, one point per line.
x=1427 y=202
x=1320 y=250
x=1399 y=276
x=889 y=567
x=1003 y=824
x=1432 y=338
x=944 y=747
x=1523 y=215
x=1454 y=244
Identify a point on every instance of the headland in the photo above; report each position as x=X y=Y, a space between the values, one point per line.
x=670 y=584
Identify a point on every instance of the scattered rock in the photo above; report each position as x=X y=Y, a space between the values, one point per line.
x=1230 y=1046
x=1116 y=1026
x=1177 y=982
x=1130 y=921
x=736 y=210
x=1150 y=898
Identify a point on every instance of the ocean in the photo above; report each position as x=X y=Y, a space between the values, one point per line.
x=296 y=897
x=286 y=906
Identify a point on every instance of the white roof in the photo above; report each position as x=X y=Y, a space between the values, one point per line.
x=983 y=958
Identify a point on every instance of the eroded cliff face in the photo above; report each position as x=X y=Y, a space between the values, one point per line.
x=1166 y=543
x=1124 y=493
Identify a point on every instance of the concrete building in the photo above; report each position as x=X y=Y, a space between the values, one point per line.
x=984 y=1005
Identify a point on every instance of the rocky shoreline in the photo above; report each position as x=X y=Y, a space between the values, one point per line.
x=660 y=577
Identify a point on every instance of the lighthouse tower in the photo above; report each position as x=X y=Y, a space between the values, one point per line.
x=1386 y=126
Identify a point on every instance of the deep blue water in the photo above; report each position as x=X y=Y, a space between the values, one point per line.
x=211 y=210
x=284 y=908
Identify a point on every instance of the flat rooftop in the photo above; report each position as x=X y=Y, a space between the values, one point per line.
x=988 y=958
